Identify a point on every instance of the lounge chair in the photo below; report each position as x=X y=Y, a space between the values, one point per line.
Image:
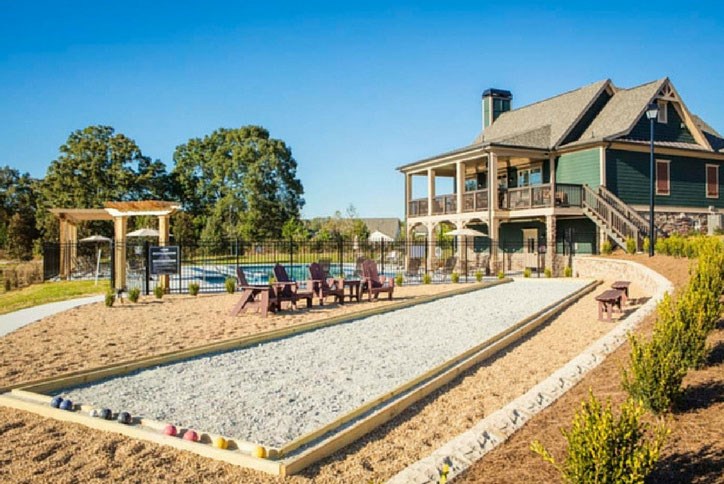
x=373 y=283
x=287 y=290
x=325 y=286
x=413 y=268
x=449 y=266
x=254 y=297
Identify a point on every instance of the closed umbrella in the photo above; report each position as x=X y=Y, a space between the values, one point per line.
x=97 y=239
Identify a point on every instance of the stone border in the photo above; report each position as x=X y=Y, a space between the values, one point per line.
x=470 y=446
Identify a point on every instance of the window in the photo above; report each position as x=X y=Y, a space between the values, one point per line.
x=663 y=113
x=712 y=181
x=530 y=176
x=663 y=184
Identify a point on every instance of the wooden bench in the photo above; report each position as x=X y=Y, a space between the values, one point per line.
x=607 y=302
x=623 y=287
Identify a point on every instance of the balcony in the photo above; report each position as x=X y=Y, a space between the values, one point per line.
x=444 y=204
x=475 y=201
x=417 y=208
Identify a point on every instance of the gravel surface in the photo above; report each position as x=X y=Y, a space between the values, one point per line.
x=277 y=391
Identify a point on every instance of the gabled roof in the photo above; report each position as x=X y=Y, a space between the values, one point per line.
x=543 y=124
x=387 y=226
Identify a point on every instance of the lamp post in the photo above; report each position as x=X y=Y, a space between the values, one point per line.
x=652 y=112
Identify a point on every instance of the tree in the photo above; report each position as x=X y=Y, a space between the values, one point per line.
x=241 y=181
x=21 y=233
x=97 y=165
x=17 y=196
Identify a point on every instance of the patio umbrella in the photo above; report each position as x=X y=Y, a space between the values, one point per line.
x=97 y=239
x=146 y=232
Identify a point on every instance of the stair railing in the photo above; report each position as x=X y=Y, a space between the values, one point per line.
x=611 y=216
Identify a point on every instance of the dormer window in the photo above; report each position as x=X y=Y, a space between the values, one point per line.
x=663 y=113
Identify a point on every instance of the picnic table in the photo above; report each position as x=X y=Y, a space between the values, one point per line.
x=607 y=302
x=623 y=287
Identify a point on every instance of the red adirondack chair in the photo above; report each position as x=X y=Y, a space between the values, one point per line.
x=373 y=283
x=254 y=297
x=325 y=286
x=287 y=290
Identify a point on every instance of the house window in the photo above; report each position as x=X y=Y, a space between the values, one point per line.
x=712 y=181
x=530 y=176
x=663 y=113
x=663 y=183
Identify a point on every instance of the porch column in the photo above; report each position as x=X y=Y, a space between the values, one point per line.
x=431 y=246
x=492 y=208
x=552 y=165
x=408 y=194
x=550 y=257
x=120 y=227
x=163 y=240
x=430 y=189
x=460 y=182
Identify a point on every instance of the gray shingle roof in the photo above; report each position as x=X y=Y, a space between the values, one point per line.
x=388 y=226
x=622 y=111
x=542 y=124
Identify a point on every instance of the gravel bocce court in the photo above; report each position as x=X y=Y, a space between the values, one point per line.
x=277 y=391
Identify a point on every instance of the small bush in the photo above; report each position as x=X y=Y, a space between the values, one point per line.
x=230 y=285
x=548 y=272
x=479 y=275
x=630 y=245
x=568 y=271
x=158 y=291
x=646 y=245
x=426 y=279
x=399 y=279
x=194 y=288
x=501 y=274
x=527 y=272
x=110 y=298
x=133 y=294
x=607 y=247
x=606 y=448
x=455 y=277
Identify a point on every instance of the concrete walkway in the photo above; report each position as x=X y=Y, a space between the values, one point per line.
x=12 y=321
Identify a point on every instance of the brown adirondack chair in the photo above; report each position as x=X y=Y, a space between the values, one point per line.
x=253 y=297
x=287 y=290
x=325 y=286
x=373 y=283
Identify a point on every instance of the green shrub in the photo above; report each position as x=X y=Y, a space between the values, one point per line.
x=399 y=280
x=194 y=288
x=426 y=279
x=655 y=372
x=630 y=245
x=133 y=294
x=548 y=272
x=606 y=448
x=110 y=298
x=479 y=275
x=646 y=245
x=568 y=271
x=230 y=285
x=607 y=247
x=158 y=291
x=455 y=277
x=527 y=272
x=501 y=274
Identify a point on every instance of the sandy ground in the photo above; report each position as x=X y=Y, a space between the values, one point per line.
x=33 y=448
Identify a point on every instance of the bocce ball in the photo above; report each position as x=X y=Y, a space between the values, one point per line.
x=191 y=436
x=66 y=405
x=56 y=401
x=220 y=443
x=105 y=414
x=170 y=430
x=124 y=418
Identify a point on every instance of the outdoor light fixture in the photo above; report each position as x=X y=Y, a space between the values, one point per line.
x=652 y=112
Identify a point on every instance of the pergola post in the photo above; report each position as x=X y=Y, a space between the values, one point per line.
x=163 y=240
x=120 y=228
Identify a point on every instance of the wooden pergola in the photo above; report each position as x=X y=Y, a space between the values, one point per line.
x=118 y=213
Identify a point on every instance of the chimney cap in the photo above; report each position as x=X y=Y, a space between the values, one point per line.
x=497 y=93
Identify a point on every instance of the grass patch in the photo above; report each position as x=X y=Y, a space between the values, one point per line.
x=49 y=292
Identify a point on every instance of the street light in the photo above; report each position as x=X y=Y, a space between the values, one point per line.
x=652 y=112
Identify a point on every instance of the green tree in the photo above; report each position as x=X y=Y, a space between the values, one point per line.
x=17 y=196
x=97 y=165
x=241 y=181
x=20 y=234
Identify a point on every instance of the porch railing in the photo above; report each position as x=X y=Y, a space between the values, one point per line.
x=475 y=201
x=418 y=207
x=444 y=204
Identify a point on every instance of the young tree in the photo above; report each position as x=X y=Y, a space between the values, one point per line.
x=242 y=181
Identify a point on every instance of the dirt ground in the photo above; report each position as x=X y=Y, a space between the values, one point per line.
x=695 y=448
x=33 y=448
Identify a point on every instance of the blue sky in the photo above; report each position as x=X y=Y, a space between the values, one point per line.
x=356 y=89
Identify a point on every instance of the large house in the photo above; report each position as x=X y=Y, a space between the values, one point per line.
x=574 y=167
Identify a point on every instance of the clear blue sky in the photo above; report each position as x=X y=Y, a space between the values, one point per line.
x=356 y=89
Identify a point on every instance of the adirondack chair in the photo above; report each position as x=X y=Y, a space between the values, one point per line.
x=373 y=283
x=413 y=268
x=260 y=298
x=325 y=286
x=287 y=290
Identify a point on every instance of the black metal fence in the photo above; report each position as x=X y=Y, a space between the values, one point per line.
x=415 y=261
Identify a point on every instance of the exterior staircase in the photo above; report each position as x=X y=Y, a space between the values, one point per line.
x=617 y=219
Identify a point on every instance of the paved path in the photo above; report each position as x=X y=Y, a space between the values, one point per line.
x=12 y=321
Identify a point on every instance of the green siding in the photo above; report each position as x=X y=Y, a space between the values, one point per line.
x=486 y=112
x=580 y=167
x=511 y=234
x=627 y=175
x=584 y=235
x=673 y=130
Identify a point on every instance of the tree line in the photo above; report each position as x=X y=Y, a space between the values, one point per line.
x=231 y=183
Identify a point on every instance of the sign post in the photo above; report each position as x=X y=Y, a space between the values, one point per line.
x=164 y=261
